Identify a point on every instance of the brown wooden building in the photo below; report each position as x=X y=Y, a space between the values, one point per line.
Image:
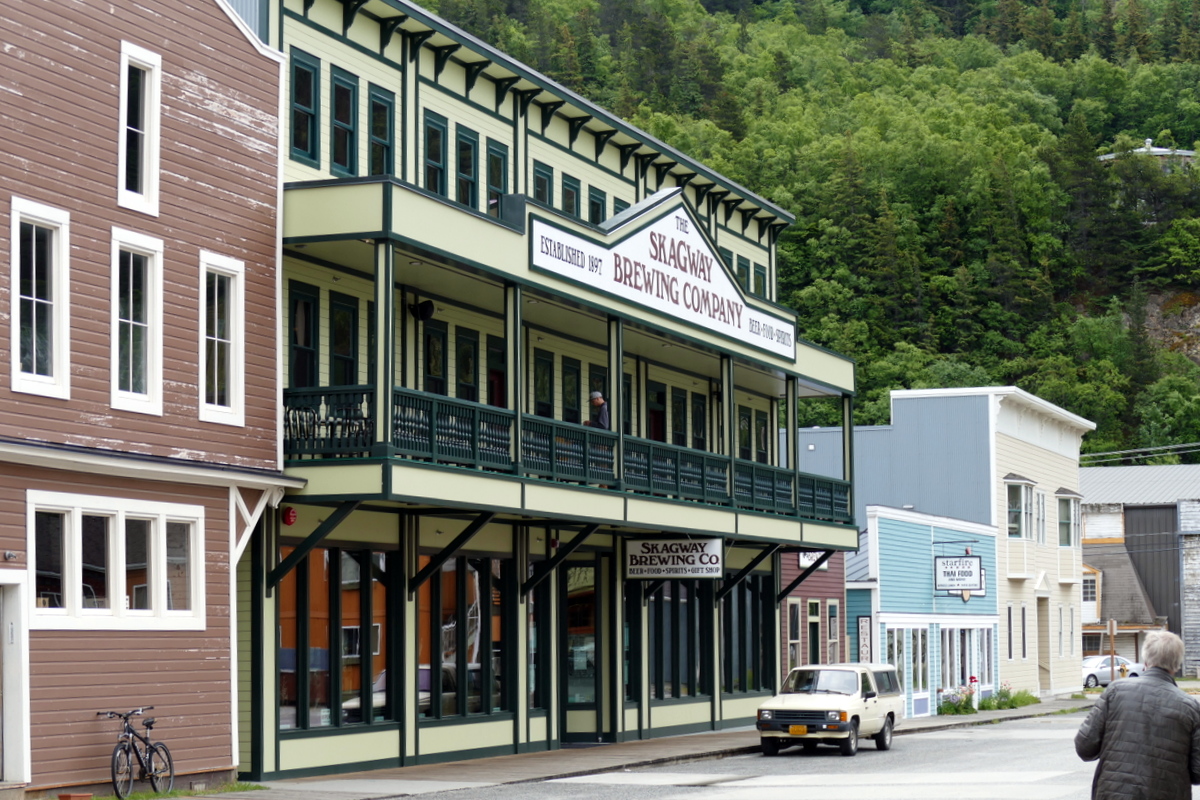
x=813 y=629
x=139 y=425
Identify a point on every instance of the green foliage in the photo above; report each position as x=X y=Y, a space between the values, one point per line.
x=954 y=222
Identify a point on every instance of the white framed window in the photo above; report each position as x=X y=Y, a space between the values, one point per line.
x=795 y=655
x=1020 y=510
x=138 y=138
x=136 y=339
x=1040 y=512
x=1089 y=588
x=1024 y=633
x=1071 y=638
x=112 y=563
x=222 y=339
x=814 y=632
x=1068 y=521
x=40 y=315
x=1062 y=645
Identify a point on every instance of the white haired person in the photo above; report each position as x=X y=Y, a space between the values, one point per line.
x=1145 y=731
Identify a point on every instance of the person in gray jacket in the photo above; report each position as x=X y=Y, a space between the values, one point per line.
x=1145 y=731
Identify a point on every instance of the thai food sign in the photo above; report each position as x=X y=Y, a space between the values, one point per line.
x=958 y=573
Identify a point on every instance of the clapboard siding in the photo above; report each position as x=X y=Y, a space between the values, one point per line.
x=219 y=160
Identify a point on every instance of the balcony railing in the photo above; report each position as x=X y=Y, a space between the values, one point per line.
x=337 y=422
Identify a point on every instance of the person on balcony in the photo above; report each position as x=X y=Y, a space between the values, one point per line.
x=601 y=421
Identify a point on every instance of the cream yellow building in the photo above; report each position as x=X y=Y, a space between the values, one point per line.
x=477 y=564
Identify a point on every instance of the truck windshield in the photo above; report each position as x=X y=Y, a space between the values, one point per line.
x=813 y=681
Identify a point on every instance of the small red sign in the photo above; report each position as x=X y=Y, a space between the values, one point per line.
x=289 y=516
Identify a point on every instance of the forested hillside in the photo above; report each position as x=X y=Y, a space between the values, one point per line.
x=955 y=225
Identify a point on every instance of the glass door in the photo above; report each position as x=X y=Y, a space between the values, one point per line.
x=583 y=647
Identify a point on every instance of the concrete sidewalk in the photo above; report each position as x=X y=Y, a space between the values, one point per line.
x=573 y=761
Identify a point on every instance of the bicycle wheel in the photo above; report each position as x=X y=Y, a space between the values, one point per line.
x=122 y=770
x=162 y=768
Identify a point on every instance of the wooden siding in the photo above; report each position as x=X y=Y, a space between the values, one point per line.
x=219 y=124
x=822 y=585
x=74 y=674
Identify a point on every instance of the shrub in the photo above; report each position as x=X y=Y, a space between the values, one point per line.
x=957 y=701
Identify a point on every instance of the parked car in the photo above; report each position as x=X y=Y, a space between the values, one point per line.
x=1097 y=671
x=832 y=704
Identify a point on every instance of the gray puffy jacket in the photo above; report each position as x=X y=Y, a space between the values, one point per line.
x=1146 y=733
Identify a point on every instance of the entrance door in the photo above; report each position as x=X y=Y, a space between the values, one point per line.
x=583 y=649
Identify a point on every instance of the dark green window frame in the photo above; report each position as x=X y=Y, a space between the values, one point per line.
x=699 y=421
x=597 y=205
x=619 y=205
x=497 y=176
x=572 y=389
x=466 y=167
x=762 y=447
x=435 y=139
x=760 y=281
x=543 y=183
x=343 y=340
x=433 y=364
x=381 y=127
x=679 y=624
x=727 y=257
x=743 y=273
x=543 y=383
x=570 y=195
x=343 y=122
x=745 y=433
x=497 y=372
x=306 y=108
x=679 y=410
x=466 y=360
x=304 y=326
x=747 y=641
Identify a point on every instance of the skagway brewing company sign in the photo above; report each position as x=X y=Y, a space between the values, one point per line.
x=669 y=267
x=674 y=558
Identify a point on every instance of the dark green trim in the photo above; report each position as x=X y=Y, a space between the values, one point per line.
x=592 y=165
x=301 y=552
x=475 y=105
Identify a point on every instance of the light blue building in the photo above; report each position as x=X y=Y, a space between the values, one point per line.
x=920 y=595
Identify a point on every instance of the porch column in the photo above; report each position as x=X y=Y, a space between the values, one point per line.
x=791 y=432
x=616 y=393
x=729 y=410
x=848 y=449
x=514 y=338
x=385 y=331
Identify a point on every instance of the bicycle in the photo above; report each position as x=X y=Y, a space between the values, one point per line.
x=153 y=758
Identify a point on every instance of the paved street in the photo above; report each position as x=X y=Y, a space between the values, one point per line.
x=1031 y=759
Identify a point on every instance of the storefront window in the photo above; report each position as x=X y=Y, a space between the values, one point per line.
x=461 y=645
x=676 y=652
x=747 y=646
x=332 y=666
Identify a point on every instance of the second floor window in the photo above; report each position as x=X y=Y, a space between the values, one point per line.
x=466 y=167
x=138 y=152
x=543 y=383
x=343 y=340
x=343 y=103
x=223 y=319
x=136 y=330
x=305 y=91
x=435 y=153
x=40 y=299
x=435 y=357
x=466 y=357
x=302 y=350
x=1068 y=521
x=1089 y=590
x=760 y=280
x=1020 y=511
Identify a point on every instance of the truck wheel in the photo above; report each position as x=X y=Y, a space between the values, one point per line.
x=770 y=747
x=883 y=739
x=849 y=745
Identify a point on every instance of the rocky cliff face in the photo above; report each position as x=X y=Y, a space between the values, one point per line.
x=1174 y=321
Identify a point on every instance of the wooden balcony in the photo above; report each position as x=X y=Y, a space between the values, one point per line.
x=337 y=423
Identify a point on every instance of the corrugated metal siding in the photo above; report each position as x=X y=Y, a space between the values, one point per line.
x=934 y=456
x=1144 y=485
x=1153 y=543
x=254 y=12
x=858 y=563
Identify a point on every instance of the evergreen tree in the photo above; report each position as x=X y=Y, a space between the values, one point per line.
x=1074 y=41
x=1105 y=37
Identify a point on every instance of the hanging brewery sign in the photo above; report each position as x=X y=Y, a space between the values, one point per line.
x=667 y=266
x=957 y=573
x=674 y=558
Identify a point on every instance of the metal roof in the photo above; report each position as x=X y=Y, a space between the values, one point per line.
x=1144 y=486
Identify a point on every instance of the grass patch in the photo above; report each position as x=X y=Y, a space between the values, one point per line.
x=148 y=794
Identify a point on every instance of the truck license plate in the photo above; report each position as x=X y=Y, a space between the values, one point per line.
x=798 y=730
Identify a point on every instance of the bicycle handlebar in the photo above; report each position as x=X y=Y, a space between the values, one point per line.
x=118 y=715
